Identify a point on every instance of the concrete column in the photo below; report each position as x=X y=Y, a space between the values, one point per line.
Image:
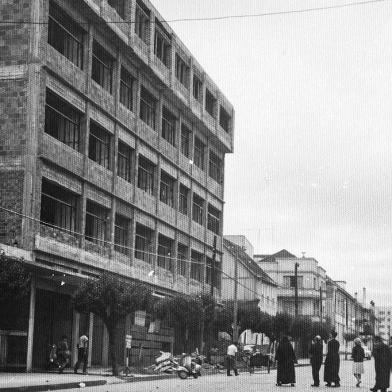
x=75 y=336
x=90 y=337
x=30 y=333
x=105 y=347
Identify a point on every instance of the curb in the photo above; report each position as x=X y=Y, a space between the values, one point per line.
x=54 y=387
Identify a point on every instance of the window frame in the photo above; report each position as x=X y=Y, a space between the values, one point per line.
x=198 y=205
x=214 y=219
x=197 y=88
x=167 y=189
x=99 y=217
x=183 y=200
x=215 y=167
x=210 y=103
x=148 y=108
x=185 y=140
x=146 y=175
x=224 y=119
x=127 y=82
x=162 y=44
x=143 y=235
x=165 y=250
x=182 y=257
x=197 y=266
x=124 y=161
x=100 y=150
x=121 y=234
x=199 y=153
x=142 y=22
x=102 y=67
x=168 y=131
x=182 y=71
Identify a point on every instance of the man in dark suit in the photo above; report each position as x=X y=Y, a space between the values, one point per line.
x=316 y=359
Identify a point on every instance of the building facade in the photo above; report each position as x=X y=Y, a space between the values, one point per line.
x=384 y=317
x=310 y=279
x=113 y=140
x=252 y=282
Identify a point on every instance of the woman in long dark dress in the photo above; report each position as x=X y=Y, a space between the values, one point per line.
x=382 y=363
x=286 y=359
x=332 y=362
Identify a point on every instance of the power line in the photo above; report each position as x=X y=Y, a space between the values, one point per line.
x=224 y=17
x=190 y=262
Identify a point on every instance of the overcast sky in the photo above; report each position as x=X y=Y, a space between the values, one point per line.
x=311 y=170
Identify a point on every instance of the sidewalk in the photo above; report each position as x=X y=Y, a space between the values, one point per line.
x=36 y=382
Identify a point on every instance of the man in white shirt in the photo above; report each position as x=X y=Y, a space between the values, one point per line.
x=230 y=359
x=82 y=353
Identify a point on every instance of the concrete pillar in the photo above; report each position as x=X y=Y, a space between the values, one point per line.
x=75 y=336
x=105 y=347
x=90 y=338
x=30 y=333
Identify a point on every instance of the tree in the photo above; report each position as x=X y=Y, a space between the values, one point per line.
x=349 y=336
x=321 y=329
x=282 y=324
x=249 y=317
x=267 y=326
x=14 y=279
x=112 y=299
x=301 y=327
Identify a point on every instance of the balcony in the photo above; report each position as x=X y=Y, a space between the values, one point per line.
x=59 y=235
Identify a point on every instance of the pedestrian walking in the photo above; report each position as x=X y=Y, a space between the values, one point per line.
x=82 y=353
x=332 y=362
x=63 y=353
x=316 y=359
x=382 y=364
x=358 y=355
x=232 y=351
x=286 y=359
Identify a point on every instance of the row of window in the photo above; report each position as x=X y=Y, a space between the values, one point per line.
x=59 y=209
x=67 y=37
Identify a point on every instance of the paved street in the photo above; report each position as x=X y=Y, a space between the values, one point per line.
x=244 y=382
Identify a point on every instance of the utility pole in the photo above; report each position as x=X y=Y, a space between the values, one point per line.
x=235 y=310
x=296 y=289
x=321 y=304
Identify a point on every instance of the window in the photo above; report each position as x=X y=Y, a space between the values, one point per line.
x=197 y=266
x=182 y=71
x=126 y=89
x=224 y=119
x=209 y=262
x=147 y=108
x=289 y=281
x=198 y=155
x=169 y=126
x=182 y=257
x=124 y=161
x=197 y=88
x=142 y=22
x=183 y=200
x=102 y=67
x=99 y=145
x=96 y=223
x=198 y=209
x=143 y=243
x=162 y=48
x=185 y=140
x=166 y=192
x=58 y=207
x=145 y=178
x=121 y=234
x=62 y=121
x=213 y=276
x=118 y=5
x=210 y=103
x=214 y=216
x=164 y=253
x=215 y=167
x=65 y=35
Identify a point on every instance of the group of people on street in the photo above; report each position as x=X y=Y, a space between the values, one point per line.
x=61 y=354
x=286 y=360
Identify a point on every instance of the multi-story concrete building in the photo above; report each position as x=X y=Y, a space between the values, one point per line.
x=384 y=317
x=253 y=284
x=310 y=280
x=112 y=148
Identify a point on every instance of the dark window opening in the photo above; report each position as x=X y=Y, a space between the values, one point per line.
x=96 y=223
x=58 y=207
x=215 y=167
x=183 y=200
x=182 y=71
x=214 y=216
x=182 y=257
x=198 y=209
x=197 y=266
x=162 y=47
x=119 y=6
x=210 y=103
x=124 y=161
x=145 y=180
x=65 y=35
x=148 y=105
x=185 y=140
x=126 y=89
x=142 y=22
x=198 y=155
x=165 y=246
x=169 y=126
x=102 y=67
x=143 y=243
x=197 y=88
x=166 y=192
x=62 y=121
x=224 y=119
x=99 y=145
x=121 y=234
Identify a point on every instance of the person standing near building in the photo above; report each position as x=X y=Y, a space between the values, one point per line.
x=63 y=353
x=316 y=359
x=82 y=353
x=230 y=359
x=358 y=355
x=382 y=363
x=286 y=359
x=332 y=362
